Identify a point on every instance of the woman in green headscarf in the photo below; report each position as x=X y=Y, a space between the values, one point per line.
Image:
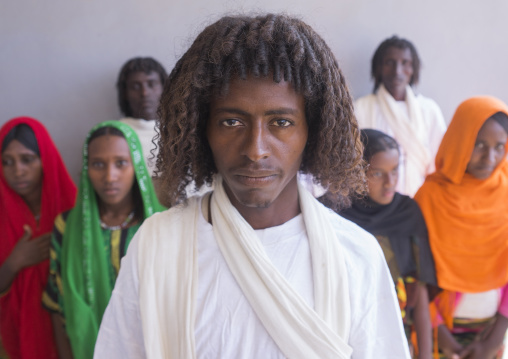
x=115 y=196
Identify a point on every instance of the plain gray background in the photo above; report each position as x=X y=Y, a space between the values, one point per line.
x=60 y=58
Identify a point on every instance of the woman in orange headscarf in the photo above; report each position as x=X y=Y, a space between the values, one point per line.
x=465 y=205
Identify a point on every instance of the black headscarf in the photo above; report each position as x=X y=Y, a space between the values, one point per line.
x=401 y=221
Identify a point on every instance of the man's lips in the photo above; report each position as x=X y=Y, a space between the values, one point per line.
x=255 y=178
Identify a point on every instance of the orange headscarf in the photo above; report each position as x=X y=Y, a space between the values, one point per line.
x=467 y=218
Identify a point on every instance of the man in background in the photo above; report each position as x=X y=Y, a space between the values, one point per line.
x=140 y=85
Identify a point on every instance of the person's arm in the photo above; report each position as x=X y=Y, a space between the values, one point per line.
x=447 y=343
x=487 y=347
x=27 y=252
x=422 y=323
x=63 y=345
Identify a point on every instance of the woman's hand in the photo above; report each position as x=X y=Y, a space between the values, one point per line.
x=25 y=253
x=29 y=252
x=478 y=350
x=447 y=343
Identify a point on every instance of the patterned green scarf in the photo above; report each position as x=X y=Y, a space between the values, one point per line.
x=85 y=264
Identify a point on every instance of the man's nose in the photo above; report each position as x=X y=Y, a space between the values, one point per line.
x=145 y=90
x=255 y=145
x=399 y=68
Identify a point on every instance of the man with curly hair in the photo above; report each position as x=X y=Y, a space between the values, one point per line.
x=140 y=83
x=257 y=268
x=415 y=121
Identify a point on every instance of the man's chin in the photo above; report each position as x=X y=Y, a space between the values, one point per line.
x=253 y=200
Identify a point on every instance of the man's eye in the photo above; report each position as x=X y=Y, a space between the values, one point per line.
x=231 y=123
x=121 y=163
x=282 y=122
x=97 y=165
x=152 y=83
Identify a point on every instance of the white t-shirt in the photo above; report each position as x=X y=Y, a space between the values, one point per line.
x=227 y=326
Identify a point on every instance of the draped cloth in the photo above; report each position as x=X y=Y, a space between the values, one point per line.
x=168 y=266
x=86 y=278
x=467 y=218
x=411 y=133
x=402 y=222
x=25 y=326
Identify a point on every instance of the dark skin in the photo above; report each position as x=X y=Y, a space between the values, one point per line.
x=422 y=324
x=483 y=348
x=63 y=345
x=396 y=71
x=257 y=133
x=22 y=170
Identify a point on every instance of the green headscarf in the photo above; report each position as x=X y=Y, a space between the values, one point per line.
x=86 y=273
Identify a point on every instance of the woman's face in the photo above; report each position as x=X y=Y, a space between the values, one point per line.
x=489 y=150
x=22 y=170
x=110 y=169
x=383 y=175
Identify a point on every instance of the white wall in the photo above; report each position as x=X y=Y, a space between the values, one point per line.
x=60 y=59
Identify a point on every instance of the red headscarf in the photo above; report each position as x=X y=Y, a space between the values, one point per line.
x=467 y=218
x=25 y=326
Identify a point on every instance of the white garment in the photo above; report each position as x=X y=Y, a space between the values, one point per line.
x=418 y=127
x=145 y=129
x=481 y=305
x=227 y=326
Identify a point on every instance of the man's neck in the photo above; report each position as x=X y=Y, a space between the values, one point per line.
x=398 y=95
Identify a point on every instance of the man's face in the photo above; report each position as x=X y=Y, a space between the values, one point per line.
x=396 y=71
x=257 y=133
x=143 y=93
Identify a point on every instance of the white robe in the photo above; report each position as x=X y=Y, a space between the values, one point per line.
x=417 y=125
x=375 y=324
x=145 y=129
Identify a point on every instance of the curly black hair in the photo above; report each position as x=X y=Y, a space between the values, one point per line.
x=278 y=46
x=377 y=59
x=136 y=64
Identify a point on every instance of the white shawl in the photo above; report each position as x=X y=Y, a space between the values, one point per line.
x=168 y=276
x=411 y=133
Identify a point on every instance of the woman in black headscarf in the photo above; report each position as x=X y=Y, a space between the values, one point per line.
x=397 y=223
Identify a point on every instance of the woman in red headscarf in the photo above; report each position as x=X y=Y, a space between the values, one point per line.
x=465 y=205
x=34 y=188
